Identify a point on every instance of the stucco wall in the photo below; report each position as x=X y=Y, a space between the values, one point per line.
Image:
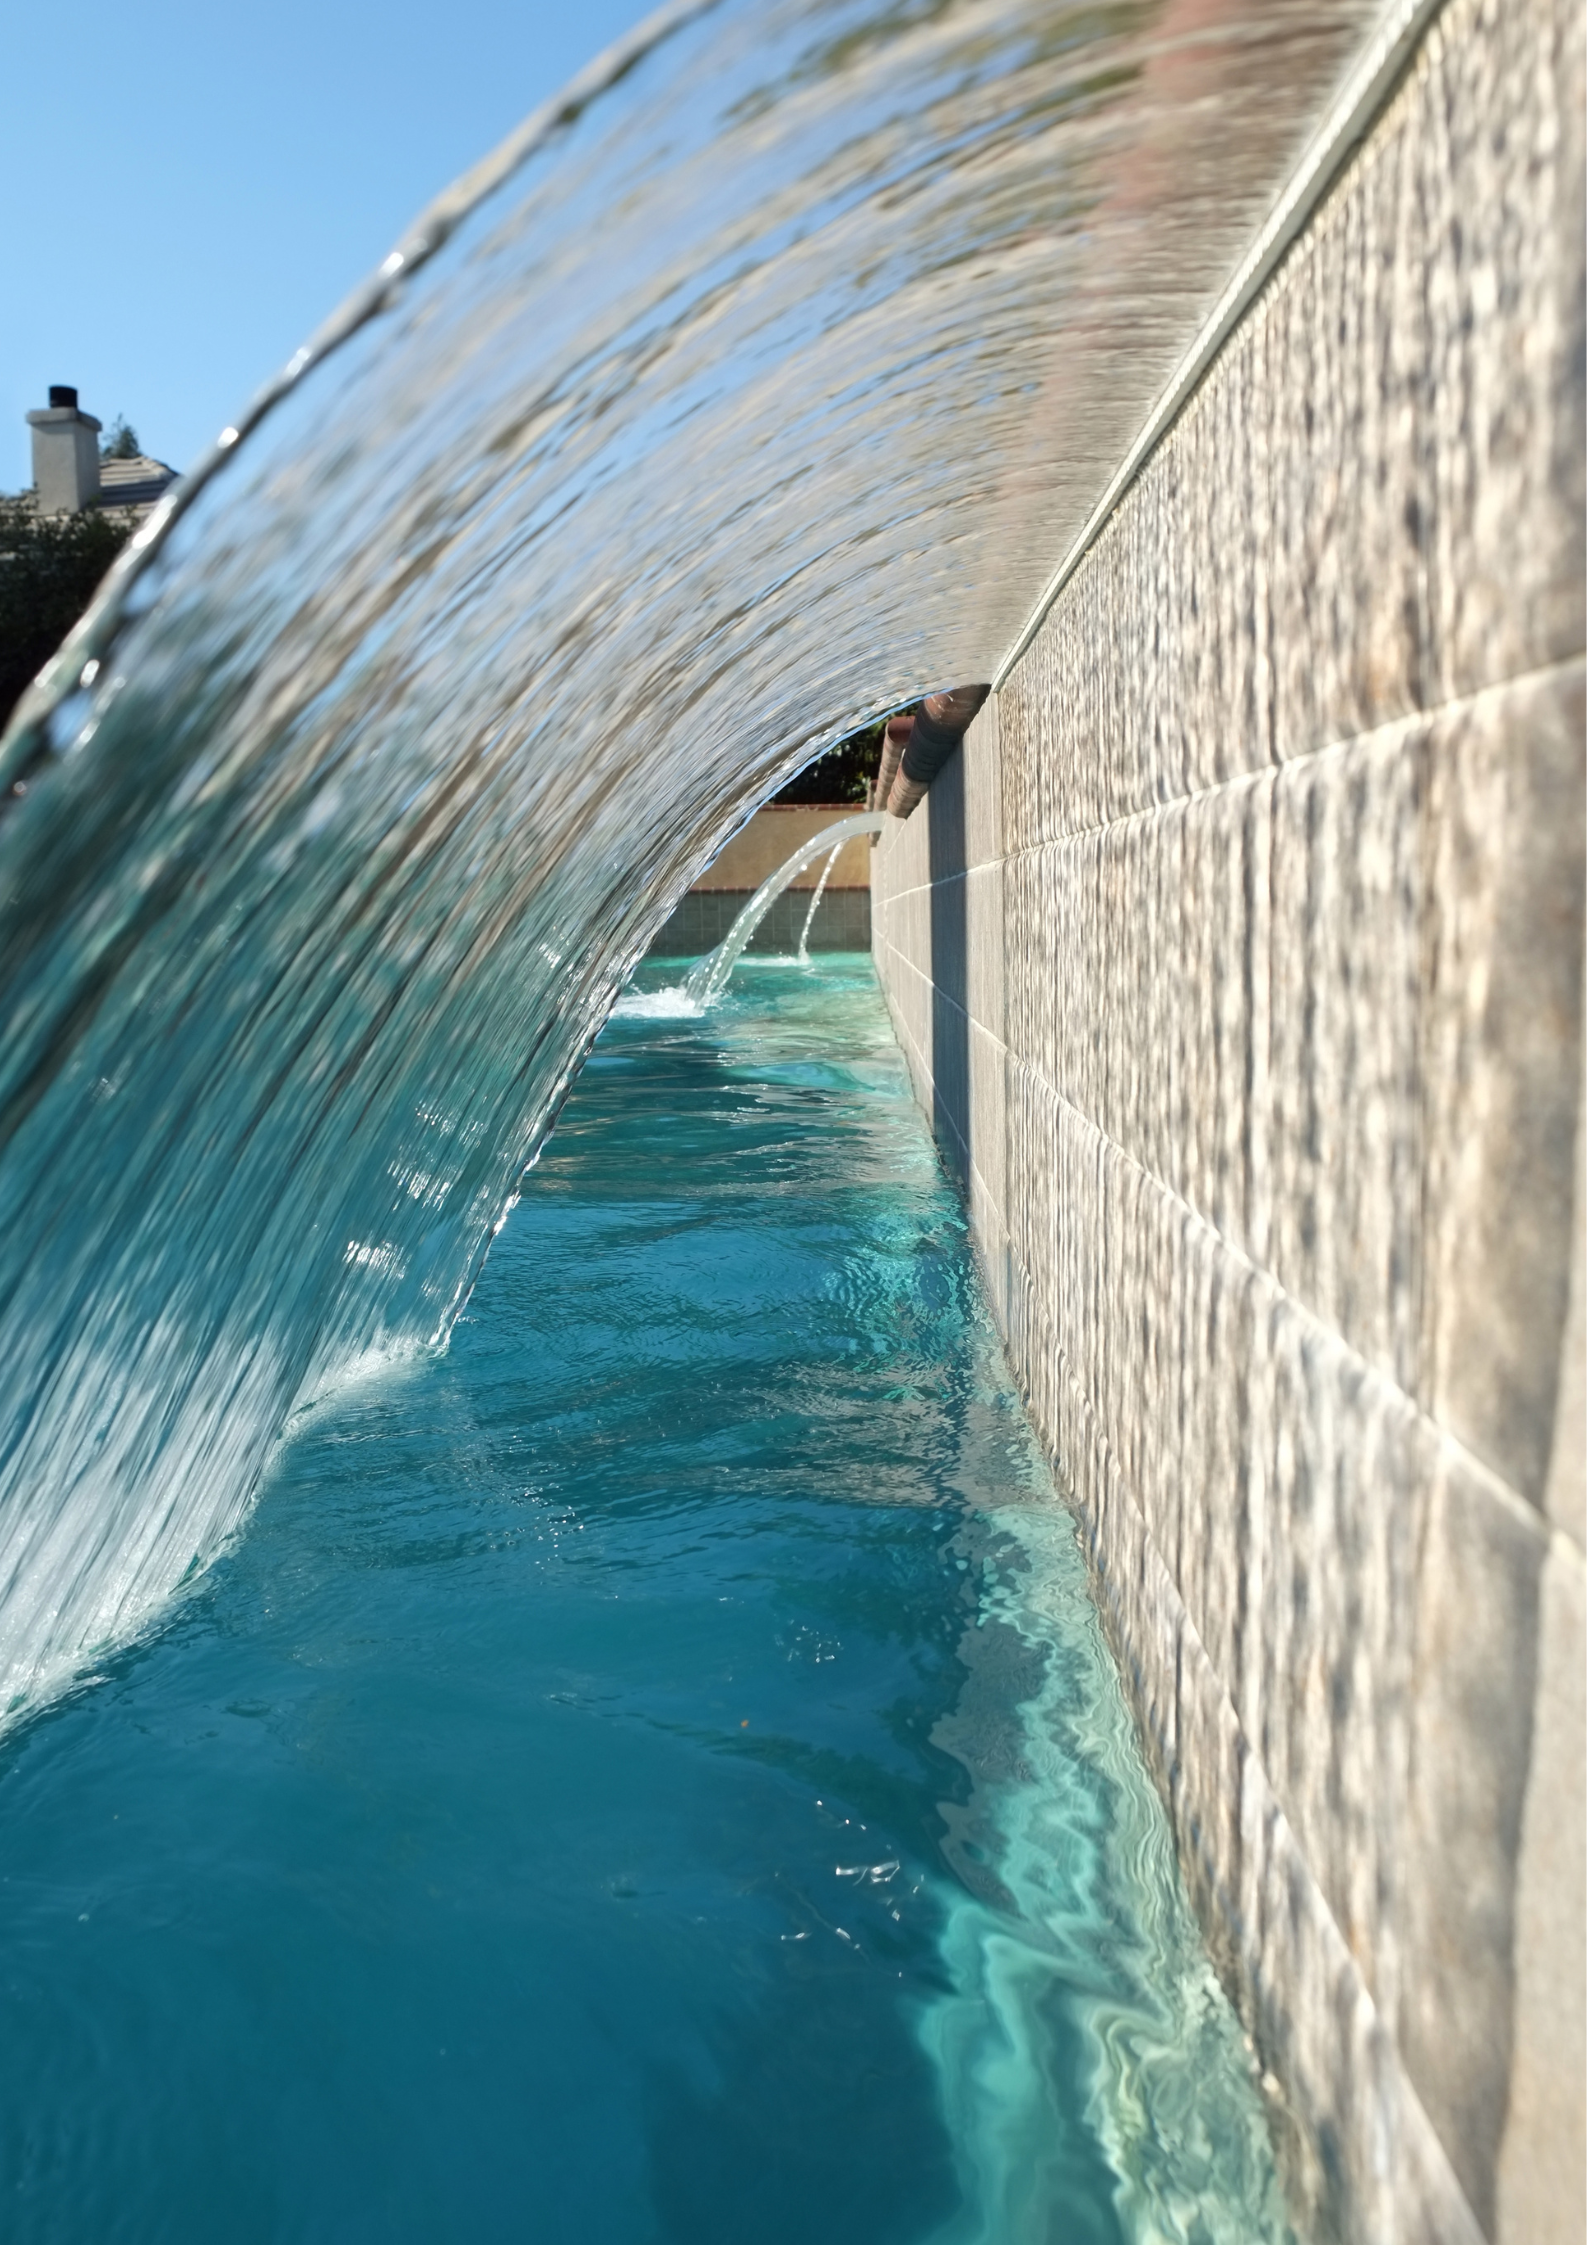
x=1239 y=960
x=769 y=840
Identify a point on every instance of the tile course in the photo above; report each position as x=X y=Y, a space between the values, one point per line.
x=1239 y=963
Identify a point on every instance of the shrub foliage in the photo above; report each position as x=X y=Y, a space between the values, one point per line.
x=842 y=775
x=121 y=441
x=50 y=567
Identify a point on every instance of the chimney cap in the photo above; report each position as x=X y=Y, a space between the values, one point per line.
x=62 y=393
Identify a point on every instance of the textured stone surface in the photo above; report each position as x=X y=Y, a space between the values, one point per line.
x=1239 y=961
x=699 y=921
x=765 y=843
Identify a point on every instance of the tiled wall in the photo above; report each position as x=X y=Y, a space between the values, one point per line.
x=702 y=918
x=1239 y=959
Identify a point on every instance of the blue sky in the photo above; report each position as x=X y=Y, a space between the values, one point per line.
x=187 y=189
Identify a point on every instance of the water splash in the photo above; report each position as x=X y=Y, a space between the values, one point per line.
x=748 y=394
x=673 y=1003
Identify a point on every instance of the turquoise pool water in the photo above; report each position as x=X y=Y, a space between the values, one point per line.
x=650 y=1774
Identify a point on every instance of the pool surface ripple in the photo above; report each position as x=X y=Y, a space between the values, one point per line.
x=650 y=1773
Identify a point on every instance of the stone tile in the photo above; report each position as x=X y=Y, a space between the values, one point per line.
x=703 y=917
x=1327 y=541
x=983 y=832
x=1278 y=1000
x=988 y=1117
x=1362 y=2156
x=1297 y=1002
x=1320 y=1539
x=1502 y=1059
x=950 y=1084
x=1474 y=1645
x=1500 y=259
x=1218 y=910
x=1565 y=1499
x=1544 y=2152
x=986 y=977
x=1343 y=1121
x=945 y=908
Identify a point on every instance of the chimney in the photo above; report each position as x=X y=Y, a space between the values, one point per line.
x=65 y=454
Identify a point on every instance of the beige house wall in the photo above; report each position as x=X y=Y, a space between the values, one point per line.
x=1239 y=962
x=770 y=839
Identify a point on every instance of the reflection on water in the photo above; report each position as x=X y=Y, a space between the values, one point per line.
x=761 y=397
x=650 y=1776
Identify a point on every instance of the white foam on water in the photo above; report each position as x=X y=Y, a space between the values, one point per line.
x=671 y=1004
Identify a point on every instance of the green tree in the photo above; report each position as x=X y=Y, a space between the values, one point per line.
x=842 y=775
x=50 y=567
x=121 y=441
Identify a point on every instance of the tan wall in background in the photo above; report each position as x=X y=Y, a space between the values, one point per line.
x=1239 y=961
x=772 y=836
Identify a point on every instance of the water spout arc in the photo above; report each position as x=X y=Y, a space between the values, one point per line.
x=331 y=835
x=709 y=978
x=815 y=905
